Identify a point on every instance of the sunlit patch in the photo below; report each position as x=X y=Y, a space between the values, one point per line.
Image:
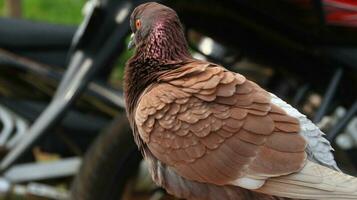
x=206 y=46
x=123 y=13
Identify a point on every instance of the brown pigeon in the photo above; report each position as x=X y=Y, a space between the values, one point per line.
x=209 y=133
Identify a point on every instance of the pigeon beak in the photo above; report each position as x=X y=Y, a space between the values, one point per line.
x=131 y=42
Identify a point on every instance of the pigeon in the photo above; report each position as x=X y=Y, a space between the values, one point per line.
x=210 y=133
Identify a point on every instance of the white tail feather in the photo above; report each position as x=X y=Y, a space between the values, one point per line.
x=313 y=182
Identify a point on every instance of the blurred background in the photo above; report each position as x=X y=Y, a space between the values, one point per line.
x=63 y=129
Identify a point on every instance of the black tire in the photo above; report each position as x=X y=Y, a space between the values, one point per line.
x=109 y=163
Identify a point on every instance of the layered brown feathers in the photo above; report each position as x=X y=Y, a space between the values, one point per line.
x=214 y=126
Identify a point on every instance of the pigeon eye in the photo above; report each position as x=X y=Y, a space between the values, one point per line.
x=137 y=24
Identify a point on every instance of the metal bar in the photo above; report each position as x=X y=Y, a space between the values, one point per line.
x=332 y=134
x=7 y=125
x=104 y=92
x=41 y=125
x=21 y=127
x=300 y=94
x=113 y=96
x=14 y=123
x=318 y=5
x=83 y=65
x=9 y=190
x=330 y=92
x=14 y=60
x=40 y=171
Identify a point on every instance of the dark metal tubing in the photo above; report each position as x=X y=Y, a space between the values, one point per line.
x=300 y=94
x=82 y=68
x=332 y=134
x=330 y=92
x=318 y=5
x=104 y=92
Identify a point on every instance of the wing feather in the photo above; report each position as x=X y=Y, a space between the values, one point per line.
x=214 y=126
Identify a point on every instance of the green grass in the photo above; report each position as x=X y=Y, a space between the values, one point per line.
x=53 y=11
x=2 y=8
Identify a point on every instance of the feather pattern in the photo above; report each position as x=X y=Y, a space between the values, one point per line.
x=318 y=149
x=250 y=139
x=214 y=127
x=314 y=181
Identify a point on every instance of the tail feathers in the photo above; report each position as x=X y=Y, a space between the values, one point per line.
x=313 y=182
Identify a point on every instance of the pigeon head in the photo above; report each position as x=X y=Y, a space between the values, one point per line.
x=157 y=33
x=148 y=17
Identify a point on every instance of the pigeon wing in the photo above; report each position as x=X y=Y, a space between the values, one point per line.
x=213 y=126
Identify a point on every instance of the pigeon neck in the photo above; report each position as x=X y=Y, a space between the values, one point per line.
x=163 y=50
x=166 y=44
x=141 y=74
